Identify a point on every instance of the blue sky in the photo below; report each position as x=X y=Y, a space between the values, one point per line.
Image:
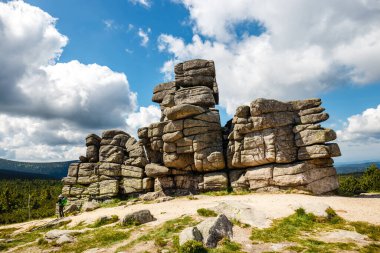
x=260 y=50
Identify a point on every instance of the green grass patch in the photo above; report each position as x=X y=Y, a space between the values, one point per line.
x=372 y=248
x=226 y=192
x=104 y=221
x=206 y=212
x=5 y=233
x=365 y=228
x=297 y=227
x=97 y=238
x=22 y=238
x=164 y=234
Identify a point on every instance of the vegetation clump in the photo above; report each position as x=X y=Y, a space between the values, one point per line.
x=192 y=247
x=206 y=212
x=354 y=184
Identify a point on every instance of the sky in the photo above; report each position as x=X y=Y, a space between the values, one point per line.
x=73 y=67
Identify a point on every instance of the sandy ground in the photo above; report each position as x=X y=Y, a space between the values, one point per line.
x=272 y=205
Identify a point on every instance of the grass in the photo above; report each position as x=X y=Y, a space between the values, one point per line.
x=21 y=239
x=206 y=212
x=301 y=225
x=5 y=233
x=104 y=221
x=100 y=237
x=226 y=192
x=372 y=231
x=163 y=235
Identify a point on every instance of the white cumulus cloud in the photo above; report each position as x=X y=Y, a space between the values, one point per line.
x=362 y=127
x=47 y=108
x=304 y=47
x=144 y=117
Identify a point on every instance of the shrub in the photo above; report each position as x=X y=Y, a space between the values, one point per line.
x=349 y=186
x=206 y=212
x=192 y=247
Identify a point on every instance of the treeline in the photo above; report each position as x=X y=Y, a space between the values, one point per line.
x=14 y=198
x=53 y=169
x=357 y=183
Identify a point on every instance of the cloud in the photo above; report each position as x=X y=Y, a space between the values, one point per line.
x=362 y=127
x=144 y=36
x=144 y=117
x=47 y=108
x=302 y=48
x=145 y=3
x=359 y=140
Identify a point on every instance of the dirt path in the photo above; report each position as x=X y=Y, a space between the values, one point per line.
x=272 y=205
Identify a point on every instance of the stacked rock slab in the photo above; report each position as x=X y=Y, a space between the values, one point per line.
x=114 y=165
x=275 y=145
x=188 y=139
x=268 y=146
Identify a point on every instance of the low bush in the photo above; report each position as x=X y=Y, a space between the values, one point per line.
x=192 y=247
x=206 y=212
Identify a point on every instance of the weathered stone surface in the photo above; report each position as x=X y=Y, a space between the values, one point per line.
x=326 y=184
x=110 y=169
x=148 y=184
x=312 y=118
x=262 y=106
x=201 y=96
x=112 y=154
x=161 y=90
x=155 y=170
x=92 y=153
x=172 y=137
x=183 y=111
x=92 y=140
x=142 y=132
x=69 y=180
x=318 y=151
x=73 y=170
x=131 y=185
x=304 y=177
x=109 y=134
x=305 y=104
x=215 y=229
x=310 y=137
x=108 y=188
x=132 y=171
x=214 y=181
x=90 y=206
x=191 y=233
x=246 y=214
x=163 y=183
x=137 y=218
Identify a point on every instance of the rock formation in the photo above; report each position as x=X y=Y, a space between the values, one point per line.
x=268 y=146
x=114 y=165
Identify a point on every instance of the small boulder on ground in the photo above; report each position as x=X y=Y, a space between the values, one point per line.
x=137 y=218
x=90 y=206
x=243 y=213
x=62 y=236
x=191 y=233
x=215 y=229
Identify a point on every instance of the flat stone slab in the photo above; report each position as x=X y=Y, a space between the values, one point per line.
x=344 y=236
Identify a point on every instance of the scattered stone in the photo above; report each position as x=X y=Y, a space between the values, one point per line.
x=90 y=206
x=215 y=229
x=243 y=213
x=191 y=233
x=137 y=218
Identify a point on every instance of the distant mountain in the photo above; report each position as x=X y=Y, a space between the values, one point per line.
x=40 y=170
x=354 y=167
x=10 y=174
